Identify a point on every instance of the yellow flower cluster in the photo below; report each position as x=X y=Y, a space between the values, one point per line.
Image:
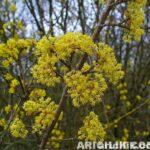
x=7 y=109
x=122 y=87
x=45 y=69
x=14 y=108
x=43 y=109
x=18 y=129
x=8 y=76
x=45 y=46
x=2 y=122
x=12 y=8
x=107 y=64
x=10 y=24
x=51 y=50
x=92 y=129
x=85 y=89
x=36 y=94
x=31 y=107
x=141 y=133
x=126 y=135
x=86 y=67
x=36 y=97
x=73 y=42
x=135 y=16
x=53 y=55
x=46 y=111
x=10 y=51
x=138 y=98
x=55 y=141
x=13 y=83
x=123 y=94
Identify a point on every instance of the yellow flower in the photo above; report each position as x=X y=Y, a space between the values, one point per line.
x=138 y=97
x=42 y=108
x=17 y=128
x=107 y=64
x=14 y=83
x=85 y=89
x=46 y=109
x=44 y=71
x=73 y=42
x=7 y=109
x=2 y=122
x=55 y=140
x=10 y=51
x=135 y=15
x=12 y=8
x=86 y=67
x=8 y=76
x=30 y=107
x=126 y=135
x=92 y=129
x=36 y=94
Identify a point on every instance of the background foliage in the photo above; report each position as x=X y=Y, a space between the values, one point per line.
x=124 y=110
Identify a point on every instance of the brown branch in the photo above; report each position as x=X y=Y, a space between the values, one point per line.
x=54 y=121
x=41 y=13
x=51 y=27
x=81 y=15
x=120 y=24
x=128 y=114
x=31 y=8
x=81 y=62
x=102 y=20
x=119 y=2
x=66 y=64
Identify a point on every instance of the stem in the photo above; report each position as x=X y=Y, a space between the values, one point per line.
x=54 y=121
